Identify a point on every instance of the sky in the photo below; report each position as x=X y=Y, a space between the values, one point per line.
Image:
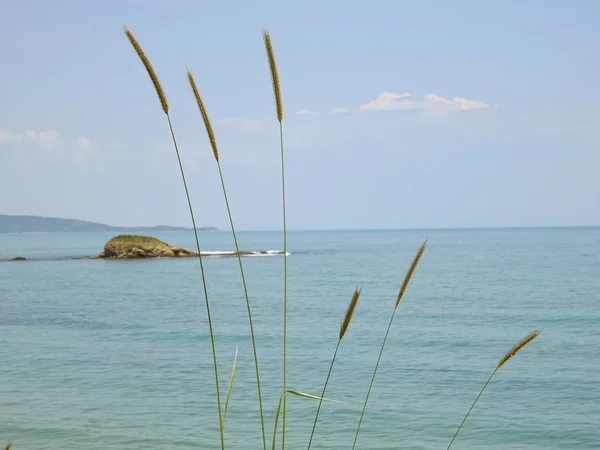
x=427 y=114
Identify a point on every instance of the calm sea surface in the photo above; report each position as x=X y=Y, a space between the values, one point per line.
x=116 y=355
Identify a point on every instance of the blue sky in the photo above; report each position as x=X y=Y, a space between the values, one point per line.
x=396 y=114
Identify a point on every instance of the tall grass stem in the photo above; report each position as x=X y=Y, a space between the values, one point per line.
x=471 y=409
x=279 y=110
x=284 y=284
x=362 y=414
x=277 y=420
x=401 y=292
x=213 y=143
x=165 y=107
x=243 y=276
x=323 y=392
x=343 y=328
x=210 y=326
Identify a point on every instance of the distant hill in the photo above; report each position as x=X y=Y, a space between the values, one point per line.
x=36 y=224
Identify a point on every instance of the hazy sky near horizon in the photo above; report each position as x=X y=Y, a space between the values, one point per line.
x=396 y=114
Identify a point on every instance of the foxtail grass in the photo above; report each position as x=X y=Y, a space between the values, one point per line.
x=282 y=405
x=407 y=278
x=512 y=352
x=213 y=143
x=165 y=107
x=279 y=110
x=343 y=328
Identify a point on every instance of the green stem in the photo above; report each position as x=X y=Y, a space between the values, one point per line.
x=471 y=408
x=323 y=393
x=237 y=249
x=284 y=286
x=373 y=377
x=210 y=327
x=277 y=419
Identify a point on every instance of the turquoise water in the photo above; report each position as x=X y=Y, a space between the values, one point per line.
x=115 y=354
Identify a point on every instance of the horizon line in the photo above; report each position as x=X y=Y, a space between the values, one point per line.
x=443 y=228
x=217 y=229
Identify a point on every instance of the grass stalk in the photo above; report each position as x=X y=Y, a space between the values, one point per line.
x=230 y=386
x=299 y=394
x=343 y=329
x=279 y=110
x=252 y=334
x=282 y=404
x=512 y=352
x=165 y=107
x=204 y=287
x=387 y=332
x=213 y=144
x=323 y=392
x=362 y=414
x=277 y=420
x=284 y=285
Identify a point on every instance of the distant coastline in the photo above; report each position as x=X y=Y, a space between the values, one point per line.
x=39 y=224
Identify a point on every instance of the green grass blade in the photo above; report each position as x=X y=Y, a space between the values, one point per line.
x=277 y=420
x=299 y=394
x=314 y=397
x=229 y=386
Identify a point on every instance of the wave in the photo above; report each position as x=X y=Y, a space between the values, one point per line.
x=244 y=253
x=211 y=254
x=218 y=253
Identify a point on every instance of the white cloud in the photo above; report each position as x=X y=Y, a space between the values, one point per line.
x=432 y=99
x=246 y=123
x=6 y=135
x=305 y=112
x=390 y=101
x=83 y=152
x=465 y=104
x=46 y=139
x=84 y=144
x=80 y=150
x=340 y=111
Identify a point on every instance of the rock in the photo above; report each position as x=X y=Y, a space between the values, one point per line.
x=19 y=258
x=128 y=246
x=136 y=247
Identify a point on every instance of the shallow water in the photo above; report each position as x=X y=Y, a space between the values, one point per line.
x=115 y=354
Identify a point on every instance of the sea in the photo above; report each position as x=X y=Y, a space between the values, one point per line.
x=106 y=354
